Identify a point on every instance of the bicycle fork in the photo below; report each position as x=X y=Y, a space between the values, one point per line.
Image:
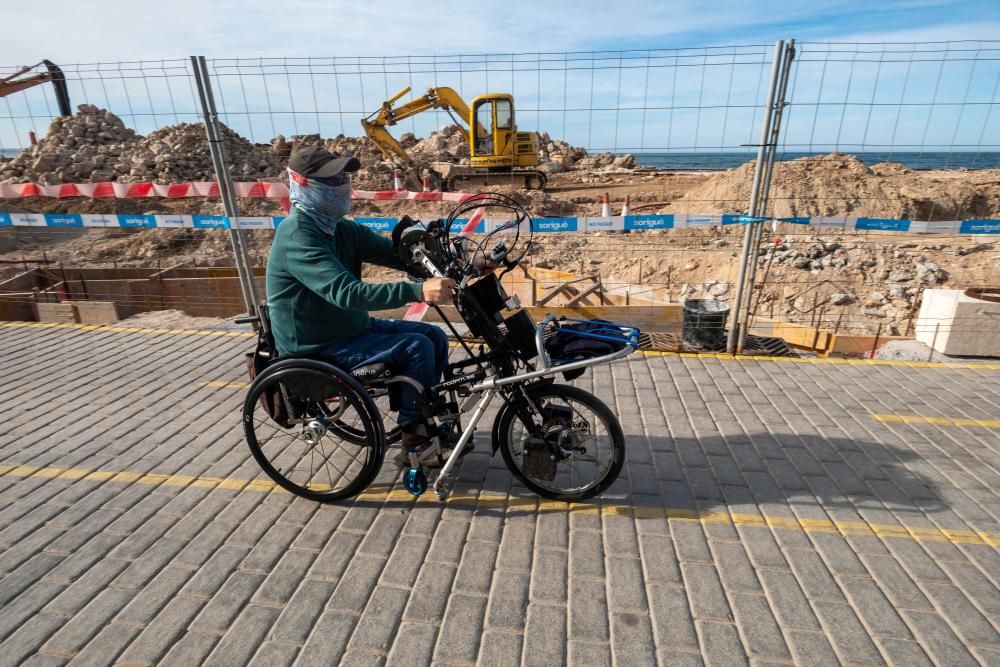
x=456 y=454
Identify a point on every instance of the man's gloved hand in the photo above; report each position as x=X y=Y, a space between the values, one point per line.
x=438 y=291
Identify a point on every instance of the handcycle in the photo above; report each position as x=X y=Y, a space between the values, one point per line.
x=318 y=430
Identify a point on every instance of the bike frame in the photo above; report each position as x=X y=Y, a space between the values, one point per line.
x=486 y=390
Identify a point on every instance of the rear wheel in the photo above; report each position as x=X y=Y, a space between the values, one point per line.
x=579 y=452
x=308 y=454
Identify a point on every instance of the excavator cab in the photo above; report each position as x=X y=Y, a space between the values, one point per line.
x=494 y=141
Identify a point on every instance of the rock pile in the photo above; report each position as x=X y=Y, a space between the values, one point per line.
x=94 y=145
x=84 y=147
x=180 y=153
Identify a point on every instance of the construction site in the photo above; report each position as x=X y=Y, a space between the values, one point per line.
x=808 y=411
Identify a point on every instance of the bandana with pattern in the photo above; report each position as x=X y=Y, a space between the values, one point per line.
x=327 y=204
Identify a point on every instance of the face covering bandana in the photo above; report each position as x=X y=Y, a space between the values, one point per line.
x=327 y=204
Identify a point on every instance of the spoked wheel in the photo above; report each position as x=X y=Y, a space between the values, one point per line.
x=580 y=449
x=393 y=431
x=305 y=452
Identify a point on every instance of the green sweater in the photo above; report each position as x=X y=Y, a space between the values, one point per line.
x=314 y=289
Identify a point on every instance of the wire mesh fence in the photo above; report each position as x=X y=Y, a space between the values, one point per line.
x=690 y=118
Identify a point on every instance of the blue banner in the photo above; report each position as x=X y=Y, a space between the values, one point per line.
x=5 y=220
x=554 y=224
x=63 y=220
x=210 y=222
x=660 y=221
x=739 y=219
x=277 y=220
x=377 y=224
x=795 y=221
x=136 y=221
x=883 y=224
x=976 y=227
x=458 y=223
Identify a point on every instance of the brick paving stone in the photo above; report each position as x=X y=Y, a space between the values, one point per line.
x=708 y=599
x=586 y=554
x=903 y=652
x=545 y=636
x=29 y=637
x=247 y=633
x=508 y=600
x=279 y=586
x=588 y=615
x=938 y=638
x=377 y=626
x=357 y=584
x=414 y=644
x=763 y=637
x=461 y=631
x=301 y=612
x=430 y=594
x=846 y=633
x=327 y=639
x=273 y=654
x=812 y=648
x=588 y=653
x=720 y=644
x=632 y=639
x=159 y=636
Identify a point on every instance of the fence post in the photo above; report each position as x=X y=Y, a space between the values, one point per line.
x=244 y=267
x=772 y=150
x=758 y=172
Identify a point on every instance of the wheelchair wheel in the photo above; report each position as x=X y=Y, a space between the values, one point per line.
x=393 y=431
x=581 y=448
x=300 y=444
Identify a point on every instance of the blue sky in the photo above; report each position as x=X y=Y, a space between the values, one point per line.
x=681 y=95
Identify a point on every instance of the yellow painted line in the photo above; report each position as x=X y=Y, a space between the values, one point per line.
x=219 y=384
x=532 y=504
x=648 y=353
x=942 y=421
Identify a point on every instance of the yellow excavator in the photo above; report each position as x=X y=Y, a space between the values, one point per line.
x=12 y=83
x=498 y=153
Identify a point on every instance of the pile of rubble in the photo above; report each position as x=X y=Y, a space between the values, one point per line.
x=180 y=153
x=80 y=148
x=95 y=146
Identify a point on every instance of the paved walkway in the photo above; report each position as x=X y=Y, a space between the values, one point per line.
x=770 y=511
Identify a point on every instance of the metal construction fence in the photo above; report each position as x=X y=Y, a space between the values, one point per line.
x=207 y=135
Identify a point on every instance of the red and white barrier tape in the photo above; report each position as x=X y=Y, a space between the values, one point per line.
x=258 y=190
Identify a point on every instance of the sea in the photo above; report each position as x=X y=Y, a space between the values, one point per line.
x=716 y=161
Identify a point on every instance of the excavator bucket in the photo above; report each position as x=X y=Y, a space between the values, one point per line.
x=59 y=84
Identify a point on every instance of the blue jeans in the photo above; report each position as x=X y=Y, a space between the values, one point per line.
x=415 y=349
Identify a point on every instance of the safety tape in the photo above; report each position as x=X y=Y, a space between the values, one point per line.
x=540 y=225
x=256 y=190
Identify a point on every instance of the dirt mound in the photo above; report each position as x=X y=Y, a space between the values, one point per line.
x=838 y=184
x=83 y=147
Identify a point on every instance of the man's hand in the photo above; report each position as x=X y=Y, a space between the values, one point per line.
x=438 y=291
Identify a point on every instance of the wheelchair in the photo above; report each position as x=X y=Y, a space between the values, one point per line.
x=321 y=431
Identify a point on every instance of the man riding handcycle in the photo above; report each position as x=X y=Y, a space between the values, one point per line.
x=326 y=372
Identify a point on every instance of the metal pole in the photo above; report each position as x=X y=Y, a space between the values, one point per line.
x=237 y=237
x=772 y=151
x=758 y=171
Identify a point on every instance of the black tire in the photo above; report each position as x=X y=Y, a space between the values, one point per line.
x=532 y=470
x=289 y=452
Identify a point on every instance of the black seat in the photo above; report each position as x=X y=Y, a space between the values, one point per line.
x=372 y=373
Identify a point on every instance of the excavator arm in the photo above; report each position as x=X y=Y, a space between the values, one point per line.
x=436 y=98
x=12 y=84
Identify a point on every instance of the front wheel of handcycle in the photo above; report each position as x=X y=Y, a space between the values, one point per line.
x=294 y=417
x=577 y=449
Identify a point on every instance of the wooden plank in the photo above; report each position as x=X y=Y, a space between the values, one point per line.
x=96 y=312
x=584 y=294
x=55 y=312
